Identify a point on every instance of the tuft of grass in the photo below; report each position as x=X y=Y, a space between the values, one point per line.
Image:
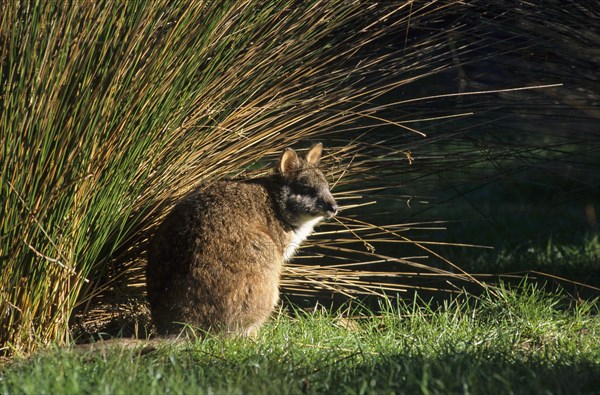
x=109 y=114
x=519 y=341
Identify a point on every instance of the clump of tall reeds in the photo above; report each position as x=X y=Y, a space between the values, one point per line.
x=110 y=112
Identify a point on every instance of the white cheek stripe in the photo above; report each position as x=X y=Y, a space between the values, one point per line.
x=298 y=236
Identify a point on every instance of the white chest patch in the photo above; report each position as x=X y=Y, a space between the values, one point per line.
x=298 y=236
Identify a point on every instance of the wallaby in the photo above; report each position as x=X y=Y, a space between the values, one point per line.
x=216 y=259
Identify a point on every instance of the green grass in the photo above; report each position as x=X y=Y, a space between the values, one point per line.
x=509 y=341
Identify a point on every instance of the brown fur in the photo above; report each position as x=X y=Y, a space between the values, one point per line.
x=216 y=260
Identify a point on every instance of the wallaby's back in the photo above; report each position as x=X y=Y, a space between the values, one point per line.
x=216 y=259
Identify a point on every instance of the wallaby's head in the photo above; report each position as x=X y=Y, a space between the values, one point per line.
x=304 y=193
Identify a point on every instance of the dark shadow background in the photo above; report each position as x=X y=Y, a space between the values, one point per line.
x=522 y=173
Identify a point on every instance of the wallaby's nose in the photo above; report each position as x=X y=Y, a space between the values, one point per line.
x=332 y=209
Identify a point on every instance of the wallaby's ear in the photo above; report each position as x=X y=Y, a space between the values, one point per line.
x=314 y=154
x=289 y=162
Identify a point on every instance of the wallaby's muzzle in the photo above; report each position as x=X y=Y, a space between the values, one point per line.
x=330 y=208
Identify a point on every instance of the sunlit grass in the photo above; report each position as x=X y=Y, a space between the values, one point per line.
x=518 y=341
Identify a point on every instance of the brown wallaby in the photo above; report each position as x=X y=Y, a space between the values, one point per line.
x=216 y=259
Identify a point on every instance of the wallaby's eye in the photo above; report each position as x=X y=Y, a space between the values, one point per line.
x=305 y=190
x=310 y=191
